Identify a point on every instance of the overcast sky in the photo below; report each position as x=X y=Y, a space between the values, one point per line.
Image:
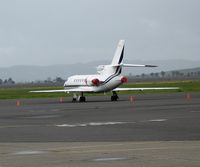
x=45 y=32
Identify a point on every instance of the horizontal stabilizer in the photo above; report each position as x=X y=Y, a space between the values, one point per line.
x=137 y=65
x=133 y=65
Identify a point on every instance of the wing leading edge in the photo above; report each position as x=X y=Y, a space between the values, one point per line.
x=82 y=89
x=48 y=91
x=158 y=88
x=79 y=89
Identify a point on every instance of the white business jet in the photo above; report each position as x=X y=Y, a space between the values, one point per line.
x=108 y=79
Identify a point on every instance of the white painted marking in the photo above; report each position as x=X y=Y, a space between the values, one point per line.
x=110 y=159
x=154 y=120
x=157 y=120
x=91 y=124
x=105 y=123
x=28 y=152
x=71 y=125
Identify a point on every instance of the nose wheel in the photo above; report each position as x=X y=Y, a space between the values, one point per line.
x=114 y=97
x=80 y=98
x=74 y=99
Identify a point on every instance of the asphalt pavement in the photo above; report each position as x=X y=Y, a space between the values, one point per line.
x=144 y=130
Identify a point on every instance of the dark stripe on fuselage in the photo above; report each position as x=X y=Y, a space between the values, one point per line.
x=118 y=72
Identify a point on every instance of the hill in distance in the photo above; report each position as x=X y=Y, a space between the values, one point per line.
x=30 y=73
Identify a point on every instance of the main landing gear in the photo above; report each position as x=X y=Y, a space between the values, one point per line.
x=80 y=98
x=114 y=97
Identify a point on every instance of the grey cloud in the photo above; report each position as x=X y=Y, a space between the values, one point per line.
x=43 y=32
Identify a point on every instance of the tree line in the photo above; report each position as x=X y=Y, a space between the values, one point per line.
x=8 y=81
x=48 y=81
x=168 y=75
x=157 y=75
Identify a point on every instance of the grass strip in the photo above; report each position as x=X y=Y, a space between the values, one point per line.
x=19 y=93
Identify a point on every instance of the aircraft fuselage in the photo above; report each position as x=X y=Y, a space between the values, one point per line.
x=95 y=83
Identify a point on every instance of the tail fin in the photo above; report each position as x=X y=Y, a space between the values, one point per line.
x=119 y=53
x=118 y=57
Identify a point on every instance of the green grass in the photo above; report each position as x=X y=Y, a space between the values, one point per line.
x=18 y=93
x=185 y=86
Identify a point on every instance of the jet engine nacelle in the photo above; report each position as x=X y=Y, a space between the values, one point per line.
x=124 y=79
x=92 y=81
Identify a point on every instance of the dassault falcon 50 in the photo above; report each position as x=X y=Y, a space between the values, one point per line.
x=108 y=78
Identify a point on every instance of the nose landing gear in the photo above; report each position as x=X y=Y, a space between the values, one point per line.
x=80 y=98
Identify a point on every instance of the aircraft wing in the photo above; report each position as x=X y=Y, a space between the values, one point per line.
x=88 y=89
x=158 y=88
x=79 y=89
x=48 y=91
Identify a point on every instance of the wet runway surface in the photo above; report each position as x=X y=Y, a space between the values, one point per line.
x=153 y=117
x=144 y=130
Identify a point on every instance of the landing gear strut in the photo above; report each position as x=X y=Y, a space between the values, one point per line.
x=114 y=97
x=74 y=99
x=80 y=98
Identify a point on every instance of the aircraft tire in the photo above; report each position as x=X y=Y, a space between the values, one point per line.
x=73 y=99
x=82 y=99
x=114 y=98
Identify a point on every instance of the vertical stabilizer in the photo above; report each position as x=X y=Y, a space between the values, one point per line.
x=119 y=53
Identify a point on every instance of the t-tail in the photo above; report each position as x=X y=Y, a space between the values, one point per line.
x=117 y=62
x=119 y=55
